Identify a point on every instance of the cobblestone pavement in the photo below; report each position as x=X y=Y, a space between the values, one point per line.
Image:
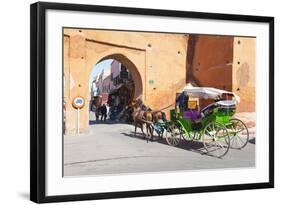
x=112 y=148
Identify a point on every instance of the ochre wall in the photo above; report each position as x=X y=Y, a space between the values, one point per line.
x=156 y=61
x=212 y=62
x=161 y=64
x=244 y=72
x=222 y=62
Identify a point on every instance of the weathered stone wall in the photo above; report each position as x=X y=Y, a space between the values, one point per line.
x=156 y=61
x=211 y=62
x=161 y=64
x=222 y=62
x=244 y=72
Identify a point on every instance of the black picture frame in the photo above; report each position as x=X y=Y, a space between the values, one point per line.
x=38 y=101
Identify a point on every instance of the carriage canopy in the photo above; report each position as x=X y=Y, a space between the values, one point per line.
x=208 y=93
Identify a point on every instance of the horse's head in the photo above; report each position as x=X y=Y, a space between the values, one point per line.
x=136 y=103
x=145 y=108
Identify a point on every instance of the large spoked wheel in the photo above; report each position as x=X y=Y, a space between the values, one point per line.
x=239 y=134
x=216 y=139
x=173 y=135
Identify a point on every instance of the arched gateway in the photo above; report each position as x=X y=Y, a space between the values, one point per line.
x=160 y=63
x=156 y=62
x=132 y=68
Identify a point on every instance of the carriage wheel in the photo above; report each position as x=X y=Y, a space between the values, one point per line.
x=173 y=135
x=216 y=139
x=239 y=134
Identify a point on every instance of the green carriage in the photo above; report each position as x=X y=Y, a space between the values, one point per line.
x=213 y=125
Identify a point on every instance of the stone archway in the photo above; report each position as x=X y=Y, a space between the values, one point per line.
x=80 y=55
x=160 y=64
x=121 y=58
x=158 y=69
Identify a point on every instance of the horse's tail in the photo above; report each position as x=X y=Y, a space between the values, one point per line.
x=164 y=117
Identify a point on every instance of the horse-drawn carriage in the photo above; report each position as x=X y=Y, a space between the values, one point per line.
x=213 y=125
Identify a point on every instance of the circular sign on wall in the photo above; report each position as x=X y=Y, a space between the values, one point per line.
x=78 y=102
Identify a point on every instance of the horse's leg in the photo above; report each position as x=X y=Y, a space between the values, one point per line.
x=152 y=130
x=160 y=136
x=135 y=129
x=149 y=130
x=147 y=133
x=144 y=135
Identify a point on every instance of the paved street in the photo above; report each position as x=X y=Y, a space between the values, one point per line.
x=112 y=149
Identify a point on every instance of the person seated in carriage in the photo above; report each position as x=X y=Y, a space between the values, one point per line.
x=192 y=112
x=181 y=101
x=188 y=107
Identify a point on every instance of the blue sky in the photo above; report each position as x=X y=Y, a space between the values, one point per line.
x=105 y=64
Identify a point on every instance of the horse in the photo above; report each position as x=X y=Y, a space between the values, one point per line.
x=141 y=116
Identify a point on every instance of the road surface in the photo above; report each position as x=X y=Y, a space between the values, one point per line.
x=112 y=148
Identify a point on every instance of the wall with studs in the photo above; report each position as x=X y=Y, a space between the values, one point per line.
x=244 y=72
x=224 y=62
x=157 y=62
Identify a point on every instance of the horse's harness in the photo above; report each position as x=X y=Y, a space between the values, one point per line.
x=142 y=110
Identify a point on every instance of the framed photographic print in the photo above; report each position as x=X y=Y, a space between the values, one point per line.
x=129 y=102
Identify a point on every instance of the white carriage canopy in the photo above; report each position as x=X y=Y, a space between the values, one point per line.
x=208 y=93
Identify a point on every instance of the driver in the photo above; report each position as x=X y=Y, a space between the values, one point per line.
x=182 y=100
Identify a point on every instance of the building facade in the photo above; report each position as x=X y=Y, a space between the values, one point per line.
x=160 y=64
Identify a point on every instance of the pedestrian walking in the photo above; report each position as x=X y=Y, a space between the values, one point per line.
x=103 y=111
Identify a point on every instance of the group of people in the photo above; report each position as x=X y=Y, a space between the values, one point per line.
x=99 y=108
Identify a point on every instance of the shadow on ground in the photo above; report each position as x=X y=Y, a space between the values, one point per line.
x=252 y=141
x=193 y=146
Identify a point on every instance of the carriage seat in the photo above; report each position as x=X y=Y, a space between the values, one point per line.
x=208 y=109
x=228 y=104
x=193 y=115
